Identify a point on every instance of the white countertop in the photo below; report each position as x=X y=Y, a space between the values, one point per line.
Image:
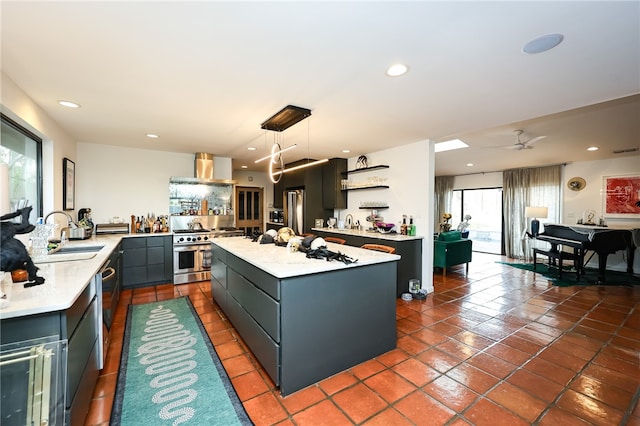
x=370 y=234
x=281 y=263
x=64 y=281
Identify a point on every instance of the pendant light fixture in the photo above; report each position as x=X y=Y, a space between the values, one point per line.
x=280 y=121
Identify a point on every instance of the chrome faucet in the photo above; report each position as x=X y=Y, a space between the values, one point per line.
x=70 y=223
x=348 y=221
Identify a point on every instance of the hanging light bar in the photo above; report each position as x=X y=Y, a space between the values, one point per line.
x=301 y=166
x=275 y=153
x=285 y=118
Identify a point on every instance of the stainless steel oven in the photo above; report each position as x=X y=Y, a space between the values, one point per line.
x=191 y=257
x=192 y=247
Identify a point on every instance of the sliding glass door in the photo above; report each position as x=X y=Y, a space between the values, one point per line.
x=485 y=208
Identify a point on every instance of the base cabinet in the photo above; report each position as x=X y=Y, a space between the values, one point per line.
x=80 y=327
x=410 y=251
x=147 y=261
x=306 y=328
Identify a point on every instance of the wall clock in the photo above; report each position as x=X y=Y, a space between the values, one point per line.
x=576 y=184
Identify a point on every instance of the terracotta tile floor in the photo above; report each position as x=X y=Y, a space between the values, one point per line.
x=500 y=346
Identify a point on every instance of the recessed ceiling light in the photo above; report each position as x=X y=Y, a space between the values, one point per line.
x=244 y=167
x=592 y=148
x=152 y=136
x=469 y=164
x=251 y=148
x=449 y=145
x=397 y=70
x=542 y=43
x=69 y=104
x=346 y=151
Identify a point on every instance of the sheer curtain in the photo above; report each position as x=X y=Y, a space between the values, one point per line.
x=528 y=187
x=443 y=187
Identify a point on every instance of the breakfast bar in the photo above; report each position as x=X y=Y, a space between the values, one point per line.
x=306 y=319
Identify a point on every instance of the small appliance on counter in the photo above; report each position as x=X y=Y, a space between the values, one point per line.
x=276 y=216
x=84 y=222
x=112 y=228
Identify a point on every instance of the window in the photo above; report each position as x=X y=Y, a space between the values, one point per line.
x=485 y=208
x=21 y=152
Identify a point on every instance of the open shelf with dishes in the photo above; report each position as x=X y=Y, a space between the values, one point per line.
x=358 y=188
x=372 y=183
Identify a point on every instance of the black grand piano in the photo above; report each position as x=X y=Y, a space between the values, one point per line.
x=582 y=238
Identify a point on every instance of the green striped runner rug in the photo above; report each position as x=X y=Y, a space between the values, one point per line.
x=170 y=373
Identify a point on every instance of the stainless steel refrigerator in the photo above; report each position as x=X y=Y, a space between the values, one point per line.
x=294 y=209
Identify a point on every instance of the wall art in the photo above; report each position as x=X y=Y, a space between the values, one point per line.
x=68 y=184
x=621 y=195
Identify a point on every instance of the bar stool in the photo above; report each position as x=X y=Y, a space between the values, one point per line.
x=335 y=240
x=379 y=247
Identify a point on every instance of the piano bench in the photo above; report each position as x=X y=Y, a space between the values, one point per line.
x=560 y=256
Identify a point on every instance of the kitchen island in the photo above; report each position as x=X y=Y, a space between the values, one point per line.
x=306 y=319
x=408 y=247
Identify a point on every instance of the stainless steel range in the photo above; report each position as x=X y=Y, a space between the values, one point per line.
x=192 y=253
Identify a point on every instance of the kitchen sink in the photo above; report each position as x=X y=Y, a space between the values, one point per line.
x=64 y=257
x=70 y=253
x=78 y=249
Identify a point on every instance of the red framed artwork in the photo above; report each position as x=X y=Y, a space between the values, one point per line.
x=622 y=196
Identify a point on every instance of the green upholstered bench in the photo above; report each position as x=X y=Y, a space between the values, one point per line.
x=450 y=249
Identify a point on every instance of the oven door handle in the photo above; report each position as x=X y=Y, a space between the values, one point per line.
x=193 y=247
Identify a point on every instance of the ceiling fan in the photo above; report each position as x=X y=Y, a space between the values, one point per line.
x=520 y=145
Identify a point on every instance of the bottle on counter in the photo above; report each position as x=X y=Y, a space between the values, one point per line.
x=412 y=228
x=403 y=227
x=204 y=207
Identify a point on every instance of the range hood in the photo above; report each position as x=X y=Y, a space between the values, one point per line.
x=204 y=166
x=211 y=168
x=208 y=168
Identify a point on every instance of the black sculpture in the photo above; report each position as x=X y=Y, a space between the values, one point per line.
x=14 y=254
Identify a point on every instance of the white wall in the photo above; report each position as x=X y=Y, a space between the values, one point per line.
x=120 y=182
x=410 y=179
x=478 y=180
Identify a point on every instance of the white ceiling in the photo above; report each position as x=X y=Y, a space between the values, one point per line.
x=205 y=75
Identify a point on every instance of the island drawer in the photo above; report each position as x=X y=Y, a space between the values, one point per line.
x=219 y=271
x=262 y=280
x=257 y=303
x=219 y=253
x=219 y=294
x=262 y=346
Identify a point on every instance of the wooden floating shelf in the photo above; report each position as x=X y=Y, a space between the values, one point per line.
x=374 y=208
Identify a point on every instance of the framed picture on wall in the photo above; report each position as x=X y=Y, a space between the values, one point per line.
x=621 y=195
x=68 y=184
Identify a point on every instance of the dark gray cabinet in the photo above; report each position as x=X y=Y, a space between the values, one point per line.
x=278 y=189
x=311 y=180
x=147 y=261
x=80 y=326
x=410 y=251
x=333 y=197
